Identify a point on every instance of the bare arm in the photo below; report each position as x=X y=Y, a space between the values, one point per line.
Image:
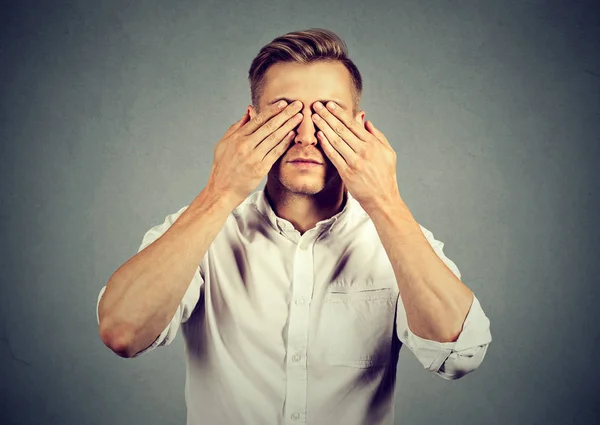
x=144 y=293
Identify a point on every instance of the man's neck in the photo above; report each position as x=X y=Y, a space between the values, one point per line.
x=305 y=211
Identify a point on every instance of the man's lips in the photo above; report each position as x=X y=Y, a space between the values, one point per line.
x=305 y=160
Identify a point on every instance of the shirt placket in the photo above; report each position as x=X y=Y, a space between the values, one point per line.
x=296 y=363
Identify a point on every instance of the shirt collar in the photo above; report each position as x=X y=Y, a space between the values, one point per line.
x=260 y=202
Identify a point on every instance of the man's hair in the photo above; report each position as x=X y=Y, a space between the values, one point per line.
x=307 y=46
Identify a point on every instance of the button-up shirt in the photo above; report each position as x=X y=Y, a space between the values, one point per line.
x=284 y=328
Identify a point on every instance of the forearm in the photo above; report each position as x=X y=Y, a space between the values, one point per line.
x=142 y=296
x=435 y=300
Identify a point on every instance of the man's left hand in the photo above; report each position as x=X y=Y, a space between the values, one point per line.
x=362 y=155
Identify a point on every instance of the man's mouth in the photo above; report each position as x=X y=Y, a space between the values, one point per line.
x=305 y=160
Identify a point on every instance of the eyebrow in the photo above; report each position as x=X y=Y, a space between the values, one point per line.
x=323 y=101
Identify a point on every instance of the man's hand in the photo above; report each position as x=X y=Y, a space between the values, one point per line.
x=248 y=150
x=362 y=155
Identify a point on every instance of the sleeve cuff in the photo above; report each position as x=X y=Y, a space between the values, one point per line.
x=98 y=304
x=433 y=354
x=161 y=340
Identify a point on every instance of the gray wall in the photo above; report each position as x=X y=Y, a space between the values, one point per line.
x=109 y=115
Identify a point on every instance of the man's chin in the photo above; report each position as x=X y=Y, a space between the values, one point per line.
x=301 y=184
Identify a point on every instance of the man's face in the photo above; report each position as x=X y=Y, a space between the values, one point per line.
x=318 y=81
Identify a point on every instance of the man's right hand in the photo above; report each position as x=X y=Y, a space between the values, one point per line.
x=250 y=147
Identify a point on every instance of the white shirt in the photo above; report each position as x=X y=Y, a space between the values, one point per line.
x=281 y=328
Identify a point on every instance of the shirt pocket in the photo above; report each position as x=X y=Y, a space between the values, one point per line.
x=358 y=327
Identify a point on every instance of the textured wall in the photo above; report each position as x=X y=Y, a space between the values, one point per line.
x=109 y=113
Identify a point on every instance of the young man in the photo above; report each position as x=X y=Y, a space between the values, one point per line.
x=295 y=300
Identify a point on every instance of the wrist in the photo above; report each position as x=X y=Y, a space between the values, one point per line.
x=219 y=198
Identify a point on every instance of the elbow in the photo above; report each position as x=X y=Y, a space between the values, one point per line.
x=116 y=339
x=116 y=336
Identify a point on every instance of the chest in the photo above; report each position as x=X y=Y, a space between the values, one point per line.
x=331 y=300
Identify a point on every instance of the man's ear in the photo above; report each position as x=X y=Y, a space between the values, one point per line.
x=360 y=117
x=251 y=111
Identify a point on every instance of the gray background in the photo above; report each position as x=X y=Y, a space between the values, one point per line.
x=109 y=115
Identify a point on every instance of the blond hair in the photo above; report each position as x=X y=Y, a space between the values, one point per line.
x=311 y=45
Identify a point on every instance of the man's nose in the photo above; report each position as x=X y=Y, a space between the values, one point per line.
x=306 y=131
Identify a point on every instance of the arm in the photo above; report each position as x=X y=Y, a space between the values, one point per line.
x=435 y=300
x=141 y=297
x=152 y=288
x=438 y=318
x=450 y=360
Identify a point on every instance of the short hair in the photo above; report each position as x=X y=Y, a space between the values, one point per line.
x=307 y=46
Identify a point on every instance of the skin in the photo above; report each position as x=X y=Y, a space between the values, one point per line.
x=359 y=159
x=139 y=301
x=306 y=196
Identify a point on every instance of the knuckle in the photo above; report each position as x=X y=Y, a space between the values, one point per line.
x=259 y=119
x=272 y=138
x=243 y=144
x=242 y=150
x=269 y=125
x=290 y=112
x=339 y=129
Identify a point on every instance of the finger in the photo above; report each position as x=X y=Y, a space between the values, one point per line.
x=334 y=128
x=341 y=147
x=378 y=134
x=239 y=123
x=255 y=123
x=334 y=156
x=357 y=128
x=270 y=120
x=277 y=121
x=274 y=138
x=347 y=148
x=278 y=150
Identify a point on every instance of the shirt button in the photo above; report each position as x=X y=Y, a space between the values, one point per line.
x=300 y=301
x=296 y=357
x=303 y=245
x=295 y=415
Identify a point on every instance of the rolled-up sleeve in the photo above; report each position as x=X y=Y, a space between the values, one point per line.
x=189 y=300
x=450 y=360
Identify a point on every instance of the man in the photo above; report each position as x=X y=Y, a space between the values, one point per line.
x=294 y=300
